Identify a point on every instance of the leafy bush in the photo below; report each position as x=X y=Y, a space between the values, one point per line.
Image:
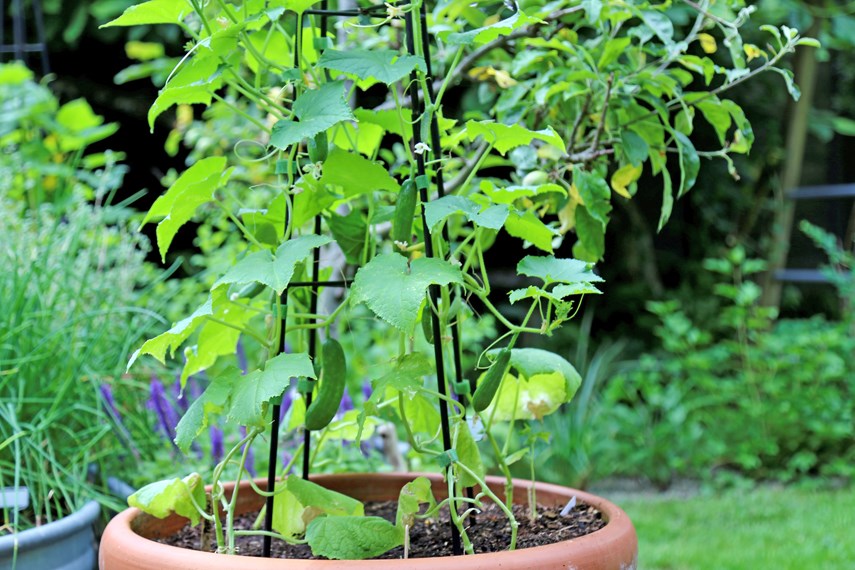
x=43 y=144
x=742 y=393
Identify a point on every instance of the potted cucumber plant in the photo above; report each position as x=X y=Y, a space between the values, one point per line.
x=385 y=149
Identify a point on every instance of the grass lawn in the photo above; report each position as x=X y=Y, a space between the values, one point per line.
x=767 y=529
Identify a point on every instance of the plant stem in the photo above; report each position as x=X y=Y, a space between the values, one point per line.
x=505 y=509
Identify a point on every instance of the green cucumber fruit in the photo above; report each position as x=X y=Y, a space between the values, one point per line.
x=488 y=387
x=405 y=209
x=334 y=372
x=427 y=324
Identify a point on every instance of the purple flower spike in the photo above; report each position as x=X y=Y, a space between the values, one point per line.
x=110 y=404
x=162 y=407
x=286 y=459
x=366 y=390
x=107 y=395
x=194 y=386
x=346 y=403
x=250 y=456
x=217 y=450
x=180 y=394
x=287 y=400
x=240 y=353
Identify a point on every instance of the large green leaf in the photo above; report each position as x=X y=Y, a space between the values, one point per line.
x=553 y=270
x=275 y=271
x=716 y=114
x=518 y=399
x=356 y=174
x=509 y=194
x=216 y=338
x=177 y=205
x=659 y=24
x=352 y=538
x=634 y=147
x=528 y=226
x=153 y=12
x=267 y=224
x=213 y=401
x=531 y=361
x=690 y=164
x=406 y=375
x=436 y=211
x=351 y=234
x=298 y=6
x=251 y=393
x=557 y=295
x=302 y=501
x=395 y=290
x=468 y=455
x=545 y=381
x=313 y=199
x=595 y=193
x=592 y=236
x=175 y=336
x=507 y=137
x=385 y=66
x=317 y=111
x=163 y=498
x=489 y=33
x=244 y=398
x=422 y=413
x=196 y=78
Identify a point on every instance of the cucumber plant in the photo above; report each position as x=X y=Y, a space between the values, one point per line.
x=559 y=110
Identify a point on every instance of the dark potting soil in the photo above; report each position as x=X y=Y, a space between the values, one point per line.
x=490 y=532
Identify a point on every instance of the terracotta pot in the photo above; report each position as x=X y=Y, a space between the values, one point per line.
x=127 y=545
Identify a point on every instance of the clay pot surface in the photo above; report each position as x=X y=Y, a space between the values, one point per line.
x=127 y=545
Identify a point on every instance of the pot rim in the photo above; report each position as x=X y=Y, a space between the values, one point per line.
x=618 y=530
x=53 y=531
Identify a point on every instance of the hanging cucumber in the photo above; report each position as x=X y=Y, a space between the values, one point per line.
x=427 y=323
x=318 y=147
x=248 y=291
x=326 y=403
x=488 y=387
x=405 y=210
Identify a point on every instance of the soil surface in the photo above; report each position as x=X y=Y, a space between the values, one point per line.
x=489 y=532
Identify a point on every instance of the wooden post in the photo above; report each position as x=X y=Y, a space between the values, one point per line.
x=806 y=66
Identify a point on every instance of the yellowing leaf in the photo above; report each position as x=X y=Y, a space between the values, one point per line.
x=753 y=52
x=502 y=78
x=625 y=176
x=707 y=43
x=575 y=196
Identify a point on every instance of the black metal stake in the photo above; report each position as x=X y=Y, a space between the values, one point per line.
x=274 y=442
x=313 y=292
x=433 y=290
x=440 y=190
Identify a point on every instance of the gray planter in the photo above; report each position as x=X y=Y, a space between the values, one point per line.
x=66 y=544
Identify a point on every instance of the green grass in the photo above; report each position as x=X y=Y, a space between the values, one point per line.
x=768 y=529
